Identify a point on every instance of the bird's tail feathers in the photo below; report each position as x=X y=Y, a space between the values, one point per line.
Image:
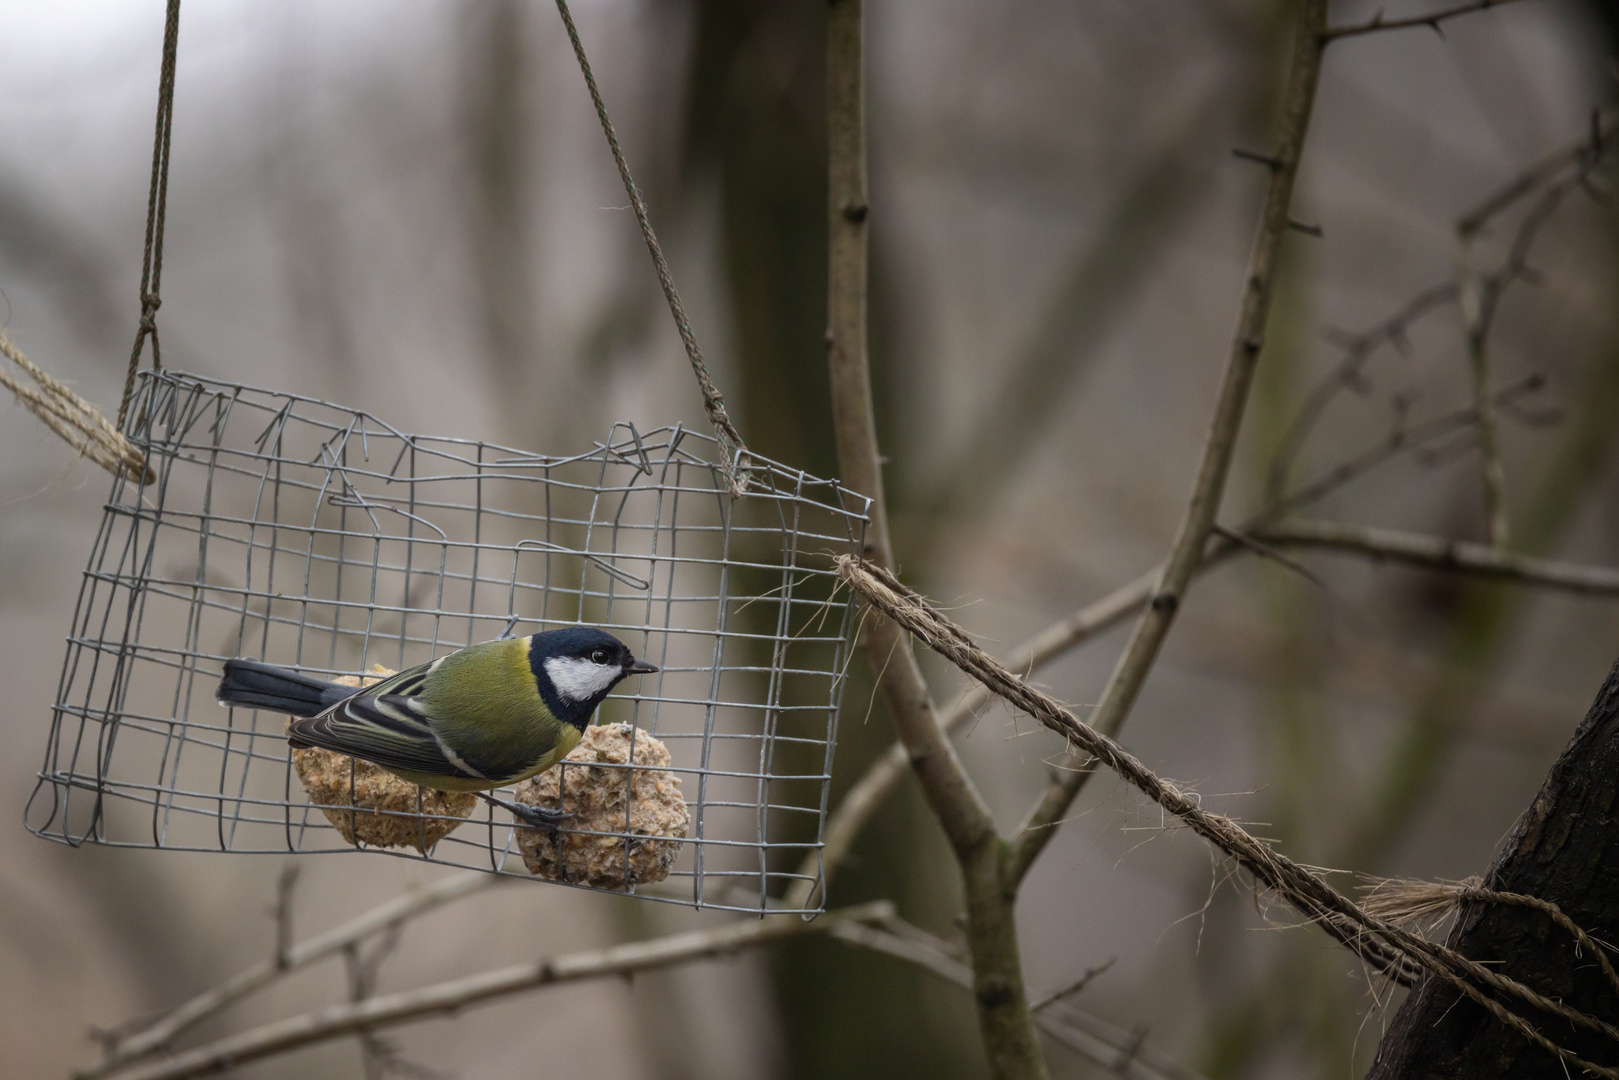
x=249 y=684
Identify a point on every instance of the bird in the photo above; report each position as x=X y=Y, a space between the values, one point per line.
x=479 y=718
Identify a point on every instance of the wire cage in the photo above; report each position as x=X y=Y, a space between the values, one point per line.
x=314 y=536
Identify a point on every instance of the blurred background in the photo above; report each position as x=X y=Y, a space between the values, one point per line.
x=407 y=207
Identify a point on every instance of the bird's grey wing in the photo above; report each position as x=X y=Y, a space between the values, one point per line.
x=389 y=729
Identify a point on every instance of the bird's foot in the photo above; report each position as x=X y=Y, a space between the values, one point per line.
x=534 y=817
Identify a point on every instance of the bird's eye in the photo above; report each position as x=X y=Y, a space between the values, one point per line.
x=599 y=656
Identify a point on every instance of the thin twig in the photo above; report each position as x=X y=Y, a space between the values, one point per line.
x=285 y=883
x=390 y=1010
x=1112 y=1048
x=1133 y=666
x=1438 y=553
x=1604 y=125
x=401 y=909
x=1265 y=551
x=1074 y=987
x=1431 y=20
x=1358 y=350
x=1580 y=156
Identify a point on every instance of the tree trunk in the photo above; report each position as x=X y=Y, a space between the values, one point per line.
x=1564 y=849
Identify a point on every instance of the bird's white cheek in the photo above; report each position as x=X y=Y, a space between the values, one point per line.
x=579 y=680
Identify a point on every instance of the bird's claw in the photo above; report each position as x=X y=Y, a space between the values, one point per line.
x=534 y=817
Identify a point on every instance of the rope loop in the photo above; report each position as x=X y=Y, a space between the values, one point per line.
x=157 y=201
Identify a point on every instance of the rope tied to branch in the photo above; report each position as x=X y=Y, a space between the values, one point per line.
x=1389 y=948
x=80 y=424
x=157 y=201
x=733 y=452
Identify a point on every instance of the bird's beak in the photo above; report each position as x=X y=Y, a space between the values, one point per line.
x=640 y=667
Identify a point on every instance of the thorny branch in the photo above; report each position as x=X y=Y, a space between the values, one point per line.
x=1432 y=20
x=1359 y=349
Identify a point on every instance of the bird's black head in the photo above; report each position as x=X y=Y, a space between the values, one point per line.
x=575 y=667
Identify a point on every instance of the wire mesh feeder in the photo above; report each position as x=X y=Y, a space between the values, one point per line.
x=309 y=535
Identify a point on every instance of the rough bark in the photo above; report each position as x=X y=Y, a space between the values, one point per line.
x=1565 y=849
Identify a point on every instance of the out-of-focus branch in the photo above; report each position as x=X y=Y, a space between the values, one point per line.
x=1479 y=296
x=1438 y=553
x=1431 y=20
x=1131 y=672
x=1400 y=438
x=1578 y=154
x=1358 y=350
x=1475 y=331
x=389 y=1010
x=1123 y=1053
x=288 y=958
x=1011 y=1045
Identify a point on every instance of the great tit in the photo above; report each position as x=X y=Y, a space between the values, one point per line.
x=481 y=717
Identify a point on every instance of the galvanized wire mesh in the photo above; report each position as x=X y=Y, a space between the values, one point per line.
x=318 y=537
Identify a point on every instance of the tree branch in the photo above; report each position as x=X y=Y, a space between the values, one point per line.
x=1438 y=553
x=337 y=1021
x=1010 y=1042
x=1121 y=1052
x=1131 y=672
x=1580 y=154
x=1431 y=20
x=396 y=912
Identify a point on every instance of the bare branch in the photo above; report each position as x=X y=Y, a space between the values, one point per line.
x=1011 y=1044
x=1431 y=20
x=391 y=1010
x=867 y=793
x=960 y=808
x=1437 y=553
x=1358 y=351
x=1470 y=296
x=284 y=885
x=1133 y=667
x=1074 y=987
x=395 y=912
x=1121 y=1052
x=1543 y=172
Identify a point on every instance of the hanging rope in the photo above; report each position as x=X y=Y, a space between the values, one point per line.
x=732 y=451
x=156 y=205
